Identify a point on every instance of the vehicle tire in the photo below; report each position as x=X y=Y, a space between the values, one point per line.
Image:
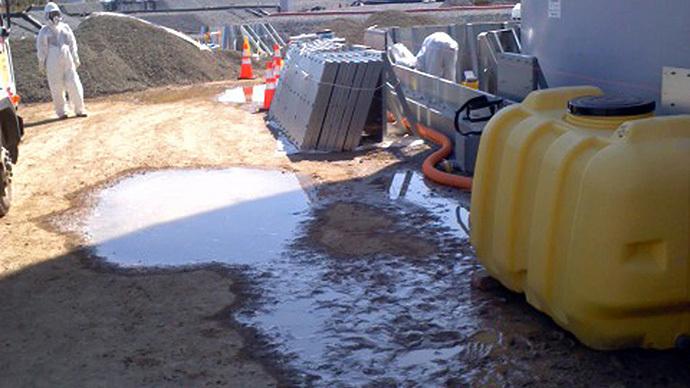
x=12 y=123
x=14 y=153
x=5 y=181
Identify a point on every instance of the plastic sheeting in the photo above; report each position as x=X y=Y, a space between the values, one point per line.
x=402 y=56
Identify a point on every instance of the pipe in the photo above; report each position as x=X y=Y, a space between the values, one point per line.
x=429 y=165
x=417 y=10
x=178 y=10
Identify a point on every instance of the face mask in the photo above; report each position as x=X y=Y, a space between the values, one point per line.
x=55 y=19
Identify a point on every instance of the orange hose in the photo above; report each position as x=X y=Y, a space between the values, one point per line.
x=429 y=165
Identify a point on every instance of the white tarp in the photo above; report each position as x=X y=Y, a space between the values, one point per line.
x=403 y=56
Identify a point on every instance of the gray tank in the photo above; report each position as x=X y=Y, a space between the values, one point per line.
x=619 y=46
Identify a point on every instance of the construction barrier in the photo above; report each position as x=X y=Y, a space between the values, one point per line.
x=261 y=37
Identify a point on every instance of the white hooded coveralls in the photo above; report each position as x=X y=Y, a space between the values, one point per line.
x=439 y=56
x=57 y=53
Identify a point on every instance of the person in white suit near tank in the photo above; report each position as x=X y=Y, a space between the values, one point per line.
x=438 y=56
x=58 y=57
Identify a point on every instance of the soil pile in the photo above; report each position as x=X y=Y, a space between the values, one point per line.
x=464 y=3
x=121 y=54
x=353 y=30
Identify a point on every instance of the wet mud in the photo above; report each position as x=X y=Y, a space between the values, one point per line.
x=376 y=285
x=383 y=290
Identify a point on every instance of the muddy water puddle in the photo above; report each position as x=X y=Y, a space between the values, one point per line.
x=373 y=298
x=375 y=292
x=452 y=210
x=252 y=94
x=361 y=295
x=381 y=319
x=183 y=217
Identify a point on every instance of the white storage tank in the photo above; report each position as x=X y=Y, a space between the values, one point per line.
x=619 y=46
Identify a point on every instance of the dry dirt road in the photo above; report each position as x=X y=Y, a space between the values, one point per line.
x=67 y=325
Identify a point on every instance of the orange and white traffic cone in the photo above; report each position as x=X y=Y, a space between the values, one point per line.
x=391 y=118
x=246 y=71
x=270 y=86
x=276 y=52
x=277 y=62
x=277 y=68
x=248 y=93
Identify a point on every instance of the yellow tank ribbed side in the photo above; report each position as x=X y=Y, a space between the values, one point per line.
x=590 y=220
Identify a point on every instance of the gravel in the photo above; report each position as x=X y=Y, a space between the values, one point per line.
x=352 y=26
x=353 y=31
x=124 y=54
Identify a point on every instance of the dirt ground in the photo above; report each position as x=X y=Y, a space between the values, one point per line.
x=65 y=324
x=68 y=320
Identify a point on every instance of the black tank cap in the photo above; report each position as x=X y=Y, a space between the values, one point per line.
x=610 y=106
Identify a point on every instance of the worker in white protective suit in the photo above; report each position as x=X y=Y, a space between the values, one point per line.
x=57 y=55
x=438 y=56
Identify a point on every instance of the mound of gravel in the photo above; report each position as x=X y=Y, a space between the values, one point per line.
x=462 y=3
x=120 y=54
x=353 y=30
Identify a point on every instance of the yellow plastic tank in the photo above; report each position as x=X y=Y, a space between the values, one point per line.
x=582 y=202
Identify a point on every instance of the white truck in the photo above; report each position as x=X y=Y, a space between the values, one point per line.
x=11 y=124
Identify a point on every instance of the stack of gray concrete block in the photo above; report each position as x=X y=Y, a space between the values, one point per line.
x=324 y=94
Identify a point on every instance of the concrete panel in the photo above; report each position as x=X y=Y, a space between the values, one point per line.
x=353 y=128
x=322 y=100
x=330 y=133
x=351 y=104
x=370 y=82
x=325 y=94
x=375 y=38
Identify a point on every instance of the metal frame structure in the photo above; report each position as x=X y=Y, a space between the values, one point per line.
x=261 y=37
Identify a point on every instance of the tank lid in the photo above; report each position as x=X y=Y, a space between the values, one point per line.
x=610 y=106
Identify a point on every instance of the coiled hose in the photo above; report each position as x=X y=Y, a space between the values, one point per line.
x=429 y=166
